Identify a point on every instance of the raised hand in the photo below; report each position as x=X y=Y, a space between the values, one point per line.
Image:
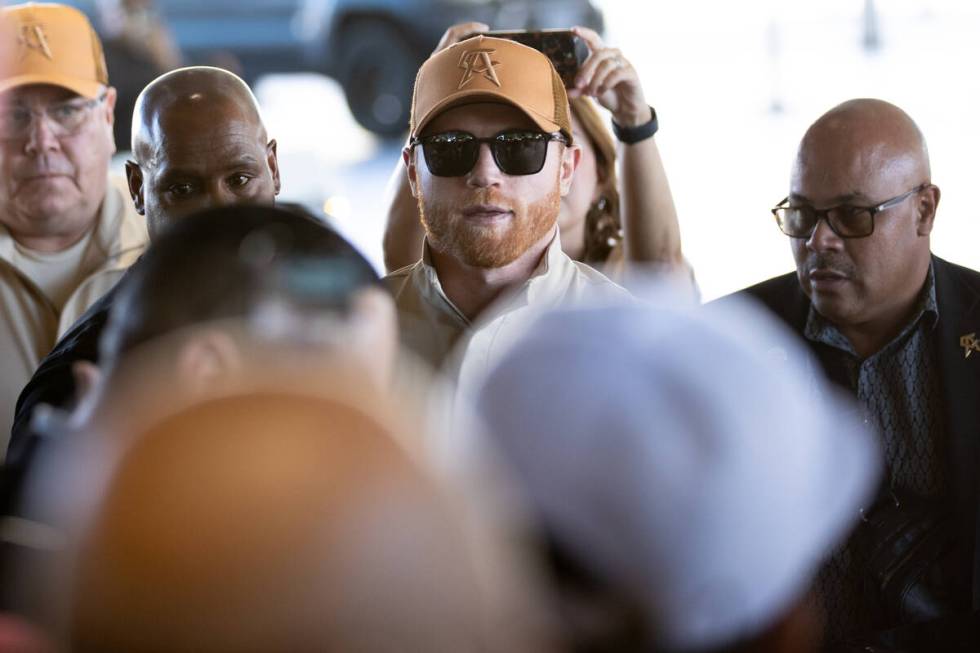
x=611 y=79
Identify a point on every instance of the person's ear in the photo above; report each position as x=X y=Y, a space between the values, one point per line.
x=928 y=202
x=88 y=391
x=110 y=106
x=110 y=114
x=570 y=158
x=272 y=159
x=134 y=179
x=86 y=376
x=207 y=358
x=408 y=156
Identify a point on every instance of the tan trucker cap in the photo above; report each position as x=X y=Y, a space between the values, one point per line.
x=482 y=69
x=52 y=44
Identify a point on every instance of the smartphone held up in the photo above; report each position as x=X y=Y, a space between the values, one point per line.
x=566 y=49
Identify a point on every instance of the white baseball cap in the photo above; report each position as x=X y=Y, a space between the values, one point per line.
x=695 y=459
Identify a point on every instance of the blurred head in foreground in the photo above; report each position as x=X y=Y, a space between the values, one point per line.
x=269 y=521
x=238 y=289
x=688 y=504
x=243 y=484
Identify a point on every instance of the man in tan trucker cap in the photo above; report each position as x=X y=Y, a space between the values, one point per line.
x=489 y=159
x=67 y=232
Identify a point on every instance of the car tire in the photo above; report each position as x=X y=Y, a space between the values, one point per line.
x=377 y=72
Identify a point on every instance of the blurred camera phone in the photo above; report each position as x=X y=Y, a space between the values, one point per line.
x=565 y=48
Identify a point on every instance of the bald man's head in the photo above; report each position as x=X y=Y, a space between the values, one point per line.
x=859 y=156
x=870 y=136
x=199 y=142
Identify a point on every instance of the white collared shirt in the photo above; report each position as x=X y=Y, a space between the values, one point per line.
x=432 y=327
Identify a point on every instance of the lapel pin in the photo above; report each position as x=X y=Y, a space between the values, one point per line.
x=969 y=343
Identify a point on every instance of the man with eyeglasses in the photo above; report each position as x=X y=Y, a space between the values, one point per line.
x=490 y=156
x=67 y=232
x=895 y=325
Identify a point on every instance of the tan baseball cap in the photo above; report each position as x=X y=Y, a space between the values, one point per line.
x=486 y=69
x=52 y=44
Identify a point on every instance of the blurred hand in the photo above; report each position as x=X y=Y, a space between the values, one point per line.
x=610 y=78
x=458 y=32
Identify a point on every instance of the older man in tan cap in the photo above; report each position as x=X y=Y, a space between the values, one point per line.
x=66 y=232
x=490 y=157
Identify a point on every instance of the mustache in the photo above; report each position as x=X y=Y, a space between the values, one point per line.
x=830 y=261
x=488 y=196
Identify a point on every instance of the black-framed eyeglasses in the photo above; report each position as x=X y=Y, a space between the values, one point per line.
x=516 y=152
x=66 y=118
x=845 y=220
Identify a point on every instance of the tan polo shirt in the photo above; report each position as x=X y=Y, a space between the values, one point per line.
x=435 y=330
x=31 y=323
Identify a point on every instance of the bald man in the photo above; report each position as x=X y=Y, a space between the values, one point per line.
x=198 y=142
x=896 y=326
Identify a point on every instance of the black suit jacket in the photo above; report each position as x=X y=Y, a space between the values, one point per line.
x=958 y=297
x=52 y=383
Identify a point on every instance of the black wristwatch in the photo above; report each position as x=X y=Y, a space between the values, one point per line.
x=630 y=135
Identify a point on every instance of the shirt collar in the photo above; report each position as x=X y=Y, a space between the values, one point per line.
x=431 y=288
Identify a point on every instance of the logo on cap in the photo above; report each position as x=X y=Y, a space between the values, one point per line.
x=478 y=62
x=32 y=37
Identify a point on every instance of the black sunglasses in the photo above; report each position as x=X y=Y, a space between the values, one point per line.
x=516 y=152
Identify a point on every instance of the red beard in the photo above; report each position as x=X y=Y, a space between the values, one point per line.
x=488 y=245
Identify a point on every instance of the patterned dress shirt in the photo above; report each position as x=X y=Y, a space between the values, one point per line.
x=899 y=391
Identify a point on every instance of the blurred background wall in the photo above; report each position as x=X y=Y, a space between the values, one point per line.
x=735 y=85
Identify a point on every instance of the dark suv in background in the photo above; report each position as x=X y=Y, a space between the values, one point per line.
x=372 y=47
